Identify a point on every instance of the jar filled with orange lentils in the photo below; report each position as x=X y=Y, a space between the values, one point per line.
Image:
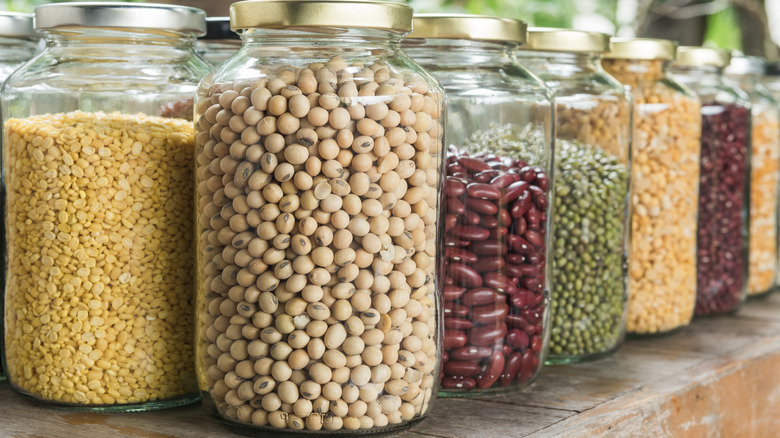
x=665 y=183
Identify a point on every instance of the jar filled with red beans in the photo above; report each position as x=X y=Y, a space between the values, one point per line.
x=497 y=198
x=319 y=155
x=590 y=219
x=724 y=184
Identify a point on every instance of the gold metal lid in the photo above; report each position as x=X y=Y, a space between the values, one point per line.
x=642 y=48
x=468 y=27
x=689 y=56
x=547 y=39
x=284 y=14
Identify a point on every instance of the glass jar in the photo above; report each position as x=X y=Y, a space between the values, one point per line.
x=219 y=43
x=18 y=42
x=771 y=83
x=746 y=73
x=319 y=163
x=592 y=159
x=97 y=167
x=724 y=184
x=498 y=132
x=664 y=185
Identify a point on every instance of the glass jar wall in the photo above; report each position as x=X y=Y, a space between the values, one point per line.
x=664 y=185
x=97 y=160
x=18 y=42
x=498 y=133
x=590 y=228
x=219 y=43
x=724 y=184
x=746 y=72
x=319 y=155
x=771 y=82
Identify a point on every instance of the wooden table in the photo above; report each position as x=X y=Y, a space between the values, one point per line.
x=718 y=378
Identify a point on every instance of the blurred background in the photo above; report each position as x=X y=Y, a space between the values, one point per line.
x=752 y=26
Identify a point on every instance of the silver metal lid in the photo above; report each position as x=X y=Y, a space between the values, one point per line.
x=112 y=15
x=742 y=65
x=17 y=25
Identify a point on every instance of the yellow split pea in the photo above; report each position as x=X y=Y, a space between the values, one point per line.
x=98 y=229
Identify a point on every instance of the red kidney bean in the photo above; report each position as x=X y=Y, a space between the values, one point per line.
x=473 y=164
x=497 y=280
x=455 y=310
x=515 y=259
x=533 y=284
x=498 y=233
x=503 y=180
x=532 y=316
x=492 y=372
x=460 y=255
x=471 y=232
x=489 y=264
x=453 y=241
x=454 y=206
x=511 y=368
x=539 y=197
x=523 y=298
x=519 y=226
x=452 y=293
x=464 y=275
x=527 y=361
x=542 y=181
x=458 y=324
x=481 y=206
x=536 y=344
x=516 y=321
x=527 y=174
x=479 y=296
x=513 y=270
x=520 y=245
x=485 y=176
x=532 y=216
x=486 y=334
x=488 y=221
x=493 y=248
x=454 y=188
x=483 y=191
x=534 y=238
x=504 y=218
x=449 y=222
x=470 y=353
x=517 y=338
x=455 y=382
x=521 y=205
x=462 y=368
x=454 y=339
x=513 y=191
x=489 y=313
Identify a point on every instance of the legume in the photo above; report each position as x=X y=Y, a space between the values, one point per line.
x=588 y=290
x=99 y=306
x=665 y=184
x=495 y=223
x=722 y=241
x=356 y=273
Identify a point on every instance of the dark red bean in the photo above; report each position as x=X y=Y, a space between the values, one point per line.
x=511 y=368
x=536 y=344
x=532 y=217
x=486 y=334
x=527 y=363
x=489 y=247
x=460 y=255
x=464 y=275
x=454 y=188
x=522 y=298
x=470 y=353
x=473 y=164
x=490 y=313
x=452 y=293
x=457 y=324
x=513 y=191
x=539 y=197
x=497 y=280
x=504 y=180
x=449 y=222
x=469 y=217
x=534 y=238
x=542 y=181
x=518 y=321
x=486 y=175
x=498 y=233
x=456 y=382
x=532 y=284
x=515 y=259
x=470 y=232
x=504 y=218
x=454 y=206
x=521 y=205
x=483 y=191
x=479 y=296
x=492 y=372
x=517 y=338
x=481 y=206
x=519 y=226
x=532 y=316
x=520 y=245
x=455 y=310
x=531 y=270
x=527 y=174
x=514 y=270
x=488 y=221
x=489 y=264
x=461 y=368
x=454 y=339
x=453 y=241
x=453 y=169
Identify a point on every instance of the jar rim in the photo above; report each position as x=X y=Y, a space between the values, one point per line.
x=290 y=14
x=468 y=27
x=642 y=48
x=548 y=39
x=116 y=15
x=17 y=25
x=692 y=56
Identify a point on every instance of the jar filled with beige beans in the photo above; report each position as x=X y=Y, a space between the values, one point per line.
x=665 y=186
x=318 y=174
x=746 y=72
x=98 y=231
x=770 y=80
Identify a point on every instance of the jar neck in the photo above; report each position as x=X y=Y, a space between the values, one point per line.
x=95 y=43
x=746 y=82
x=321 y=39
x=632 y=71
x=560 y=65
x=455 y=53
x=16 y=49
x=705 y=75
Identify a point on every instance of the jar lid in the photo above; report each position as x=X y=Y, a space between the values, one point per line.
x=742 y=65
x=689 y=56
x=218 y=28
x=468 y=27
x=642 y=48
x=547 y=39
x=285 y=14
x=120 y=16
x=17 y=25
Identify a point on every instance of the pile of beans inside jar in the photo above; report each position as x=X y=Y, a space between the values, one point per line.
x=764 y=168
x=495 y=249
x=722 y=243
x=665 y=202
x=99 y=233
x=317 y=203
x=588 y=296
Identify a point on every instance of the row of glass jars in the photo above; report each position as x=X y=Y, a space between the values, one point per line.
x=321 y=177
